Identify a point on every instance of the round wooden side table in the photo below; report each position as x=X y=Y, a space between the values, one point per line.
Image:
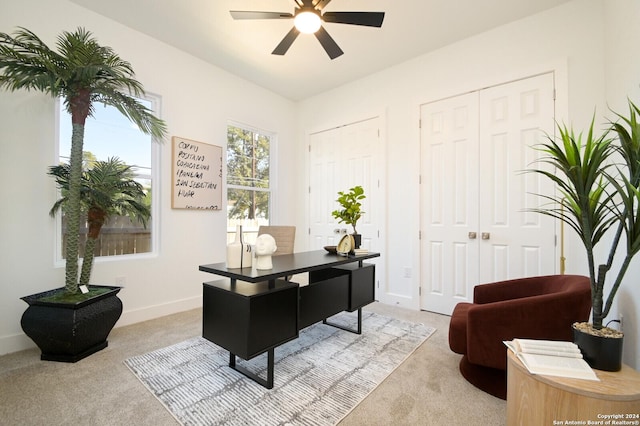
x=539 y=400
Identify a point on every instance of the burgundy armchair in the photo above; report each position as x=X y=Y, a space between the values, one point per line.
x=532 y=308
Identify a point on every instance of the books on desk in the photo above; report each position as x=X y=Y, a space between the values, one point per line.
x=360 y=251
x=552 y=358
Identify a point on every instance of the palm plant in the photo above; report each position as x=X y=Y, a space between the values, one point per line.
x=81 y=72
x=596 y=195
x=107 y=189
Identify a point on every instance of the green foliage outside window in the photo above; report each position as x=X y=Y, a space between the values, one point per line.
x=248 y=167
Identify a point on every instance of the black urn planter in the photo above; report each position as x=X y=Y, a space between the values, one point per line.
x=357 y=240
x=601 y=353
x=69 y=332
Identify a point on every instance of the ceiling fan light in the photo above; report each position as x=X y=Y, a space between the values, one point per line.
x=307 y=22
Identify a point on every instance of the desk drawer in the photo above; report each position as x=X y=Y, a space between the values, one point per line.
x=361 y=284
x=247 y=319
x=323 y=298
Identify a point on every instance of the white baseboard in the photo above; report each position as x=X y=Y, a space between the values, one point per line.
x=156 y=311
x=398 y=300
x=19 y=342
x=15 y=343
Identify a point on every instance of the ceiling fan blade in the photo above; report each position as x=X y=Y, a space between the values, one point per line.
x=242 y=14
x=286 y=42
x=368 y=19
x=320 y=4
x=330 y=46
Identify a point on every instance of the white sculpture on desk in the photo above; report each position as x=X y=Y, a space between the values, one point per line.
x=265 y=247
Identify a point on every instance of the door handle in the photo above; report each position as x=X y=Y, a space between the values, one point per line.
x=472 y=235
x=486 y=235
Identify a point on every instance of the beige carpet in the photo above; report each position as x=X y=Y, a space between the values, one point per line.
x=426 y=389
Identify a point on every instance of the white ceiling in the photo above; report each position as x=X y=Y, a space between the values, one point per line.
x=205 y=29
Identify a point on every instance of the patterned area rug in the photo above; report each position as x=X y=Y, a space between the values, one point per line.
x=319 y=377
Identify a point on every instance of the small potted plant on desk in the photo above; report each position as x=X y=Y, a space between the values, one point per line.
x=596 y=195
x=72 y=322
x=351 y=210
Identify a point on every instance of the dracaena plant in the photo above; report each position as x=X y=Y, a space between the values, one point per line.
x=82 y=73
x=597 y=179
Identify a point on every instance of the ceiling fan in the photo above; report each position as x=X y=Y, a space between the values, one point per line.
x=308 y=18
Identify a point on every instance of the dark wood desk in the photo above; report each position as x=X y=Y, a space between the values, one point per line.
x=254 y=311
x=286 y=265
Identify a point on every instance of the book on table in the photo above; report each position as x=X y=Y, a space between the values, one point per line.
x=551 y=358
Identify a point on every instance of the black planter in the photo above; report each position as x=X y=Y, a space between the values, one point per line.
x=69 y=332
x=357 y=239
x=601 y=353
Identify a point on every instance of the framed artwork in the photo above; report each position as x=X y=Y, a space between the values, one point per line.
x=196 y=171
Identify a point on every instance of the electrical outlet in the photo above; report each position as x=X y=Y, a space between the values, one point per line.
x=121 y=281
x=407 y=272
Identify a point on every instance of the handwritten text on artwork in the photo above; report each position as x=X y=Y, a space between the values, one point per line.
x=197 y=175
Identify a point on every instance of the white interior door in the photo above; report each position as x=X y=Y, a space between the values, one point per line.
x=325 y=177
x=339 y=159
x=449 y=201
x=514 y=118
x=473 y=198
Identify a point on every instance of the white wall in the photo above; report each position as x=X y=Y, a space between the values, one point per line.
x=623 y=81
x=569 y=40
x=197 y=101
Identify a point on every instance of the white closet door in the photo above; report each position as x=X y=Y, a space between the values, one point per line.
x=449 y=201
x=325 y=177
x=474 y=195
x=514 y=118
x=339 y=159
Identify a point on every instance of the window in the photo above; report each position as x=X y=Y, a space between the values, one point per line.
x=110 y=134
x=248 y=180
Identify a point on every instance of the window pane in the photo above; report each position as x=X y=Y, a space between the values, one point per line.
x=248 y=186
x=247 y=158
x=248 y=208
x=110 y=134
x=247 y=204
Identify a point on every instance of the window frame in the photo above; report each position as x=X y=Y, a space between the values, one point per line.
x=155 y=177
x=272 y=175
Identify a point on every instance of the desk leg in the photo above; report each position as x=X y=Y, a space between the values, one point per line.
x=358 y=330
x=268 y=383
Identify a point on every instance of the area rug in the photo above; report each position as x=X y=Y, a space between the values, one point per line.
x=319 y=377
